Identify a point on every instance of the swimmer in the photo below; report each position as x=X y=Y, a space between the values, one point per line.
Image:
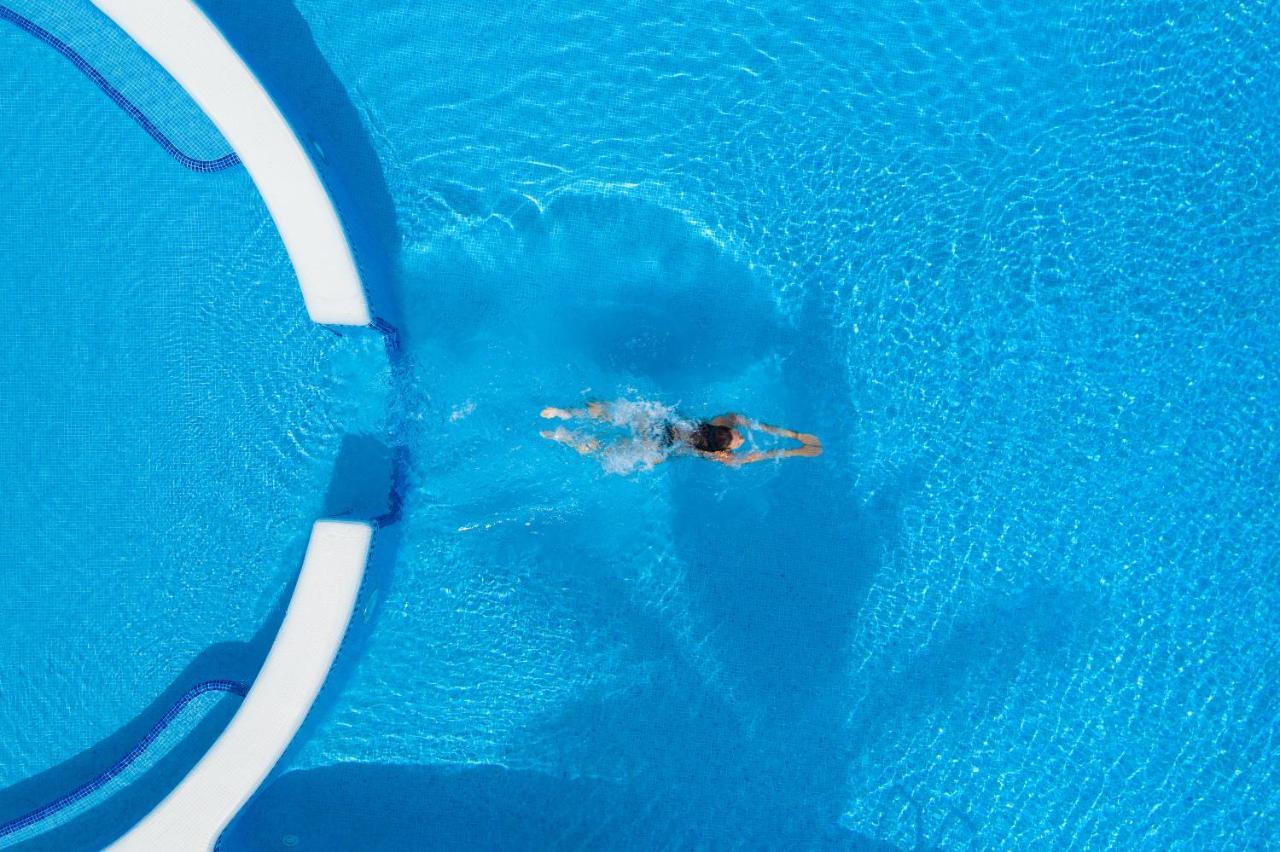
x=658 y=434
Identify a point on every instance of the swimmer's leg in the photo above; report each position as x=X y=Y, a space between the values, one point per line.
x=598 y=410
x=561 y=435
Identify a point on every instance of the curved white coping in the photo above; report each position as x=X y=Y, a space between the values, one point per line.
x=188 y=46
x=200 y=807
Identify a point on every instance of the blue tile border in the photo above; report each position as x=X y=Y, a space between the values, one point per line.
x=98 y=782
x=196 y=165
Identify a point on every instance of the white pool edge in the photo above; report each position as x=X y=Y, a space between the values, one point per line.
x=196 y=812
x=178 y=35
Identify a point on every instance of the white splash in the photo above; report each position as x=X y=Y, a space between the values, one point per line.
x=645 y=446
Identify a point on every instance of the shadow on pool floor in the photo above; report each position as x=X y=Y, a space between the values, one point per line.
x=387 y=806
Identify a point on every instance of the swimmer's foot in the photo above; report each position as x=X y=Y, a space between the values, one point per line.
x=551 y=413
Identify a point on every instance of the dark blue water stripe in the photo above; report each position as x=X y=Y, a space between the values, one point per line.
x=112 y=92
x=96 y=783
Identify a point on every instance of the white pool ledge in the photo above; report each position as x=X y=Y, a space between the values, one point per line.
x=191 y=49
x=194 y=815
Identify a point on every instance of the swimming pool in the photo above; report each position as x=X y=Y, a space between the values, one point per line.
x=1016 y=267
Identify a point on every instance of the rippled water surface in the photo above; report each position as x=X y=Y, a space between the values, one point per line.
x=1015 y=264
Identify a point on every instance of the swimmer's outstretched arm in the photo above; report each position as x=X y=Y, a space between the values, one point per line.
x=804 y=438
x=807 y=451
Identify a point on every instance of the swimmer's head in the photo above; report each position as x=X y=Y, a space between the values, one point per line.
x=707 y=438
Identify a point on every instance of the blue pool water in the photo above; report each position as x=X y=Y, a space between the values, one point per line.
x=1016 y=266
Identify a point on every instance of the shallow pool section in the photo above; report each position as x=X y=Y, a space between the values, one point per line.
x=170 y=426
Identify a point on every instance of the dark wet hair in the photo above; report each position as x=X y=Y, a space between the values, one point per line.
x=709 y=438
